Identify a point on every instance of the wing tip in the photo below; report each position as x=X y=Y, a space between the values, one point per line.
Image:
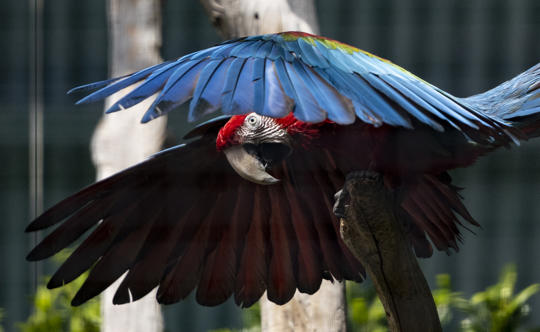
x=151 y=114
x=85 y=100
x=33 y=227
x=121 y=296
x=73 y=90
x=83 y=295
x=55 y=282
x=115 y=108
x=77 y=300
x=33 y=256
x=40 y=253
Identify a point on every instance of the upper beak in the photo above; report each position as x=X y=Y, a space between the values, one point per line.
x=248 y=166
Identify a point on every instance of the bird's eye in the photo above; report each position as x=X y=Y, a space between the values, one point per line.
x=253 y=120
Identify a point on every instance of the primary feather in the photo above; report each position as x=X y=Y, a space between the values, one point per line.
x=323 y=79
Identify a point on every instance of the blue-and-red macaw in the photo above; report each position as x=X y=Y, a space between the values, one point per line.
x=307 y=109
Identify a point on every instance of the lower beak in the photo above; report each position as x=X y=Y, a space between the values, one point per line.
x=248 y=166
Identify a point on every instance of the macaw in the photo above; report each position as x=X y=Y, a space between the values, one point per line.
x=245 y=206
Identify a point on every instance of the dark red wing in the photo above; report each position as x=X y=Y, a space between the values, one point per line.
x=184 y=220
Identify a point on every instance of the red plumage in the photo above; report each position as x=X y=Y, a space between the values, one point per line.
x=184 y=219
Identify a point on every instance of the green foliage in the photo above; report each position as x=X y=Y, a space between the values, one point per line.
x=1 y=319
x=365 y=310
x=445 y=299
x=251 y=320
x=497 y=309
x=53 y=310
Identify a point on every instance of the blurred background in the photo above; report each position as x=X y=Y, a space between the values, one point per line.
x=462 y=46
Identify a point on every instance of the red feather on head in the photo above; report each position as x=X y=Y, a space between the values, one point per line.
x=225 y=136
x=294 y=126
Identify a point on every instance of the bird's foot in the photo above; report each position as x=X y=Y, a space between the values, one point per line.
x=342 y=199
x=365 y=176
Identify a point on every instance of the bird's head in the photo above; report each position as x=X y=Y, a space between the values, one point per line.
x=253 y=143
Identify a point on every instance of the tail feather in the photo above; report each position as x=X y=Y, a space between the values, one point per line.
x=434 y=206
x=516 y=101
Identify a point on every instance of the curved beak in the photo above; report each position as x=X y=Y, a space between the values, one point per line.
x=248 y=166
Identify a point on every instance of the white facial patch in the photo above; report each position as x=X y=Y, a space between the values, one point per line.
x=258 y=129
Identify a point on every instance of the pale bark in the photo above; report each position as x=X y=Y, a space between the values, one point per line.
x=325 y=310
x=322 y=311
x=237 y=18
x=120 y=140
x=375 y=236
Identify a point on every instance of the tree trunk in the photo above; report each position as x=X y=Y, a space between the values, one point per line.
x=120 y=140
x=325 y=310
x=238 y=18
x=374 y=235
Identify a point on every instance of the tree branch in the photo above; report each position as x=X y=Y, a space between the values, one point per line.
x=374 y=235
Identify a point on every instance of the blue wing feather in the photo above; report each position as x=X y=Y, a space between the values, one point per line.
x=532 y=103
x=277 y=103
x=264 y=50
x=205 y=77
x=212 y=93
x=229 y=89
x=300 y=109
x=391 y=93
x=95 y=85
x=427 y=101
x=316 y=78
x=402 y=87
x=177 y=90
x=238 y=50
x=526 y=112
x=151 y=85
x=244 y=96
x=252 y=48
x=338 y=59
x=284 y=78
x=233 y=83
x=372 y=102
x=119 y=85
x=311 y=54
x=276 y=53
x=310 y=110
x=339 y=109
x=259 y=70
x=223 y=52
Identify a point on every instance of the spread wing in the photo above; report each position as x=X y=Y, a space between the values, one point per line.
x=316 y=77
x=183 y=219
